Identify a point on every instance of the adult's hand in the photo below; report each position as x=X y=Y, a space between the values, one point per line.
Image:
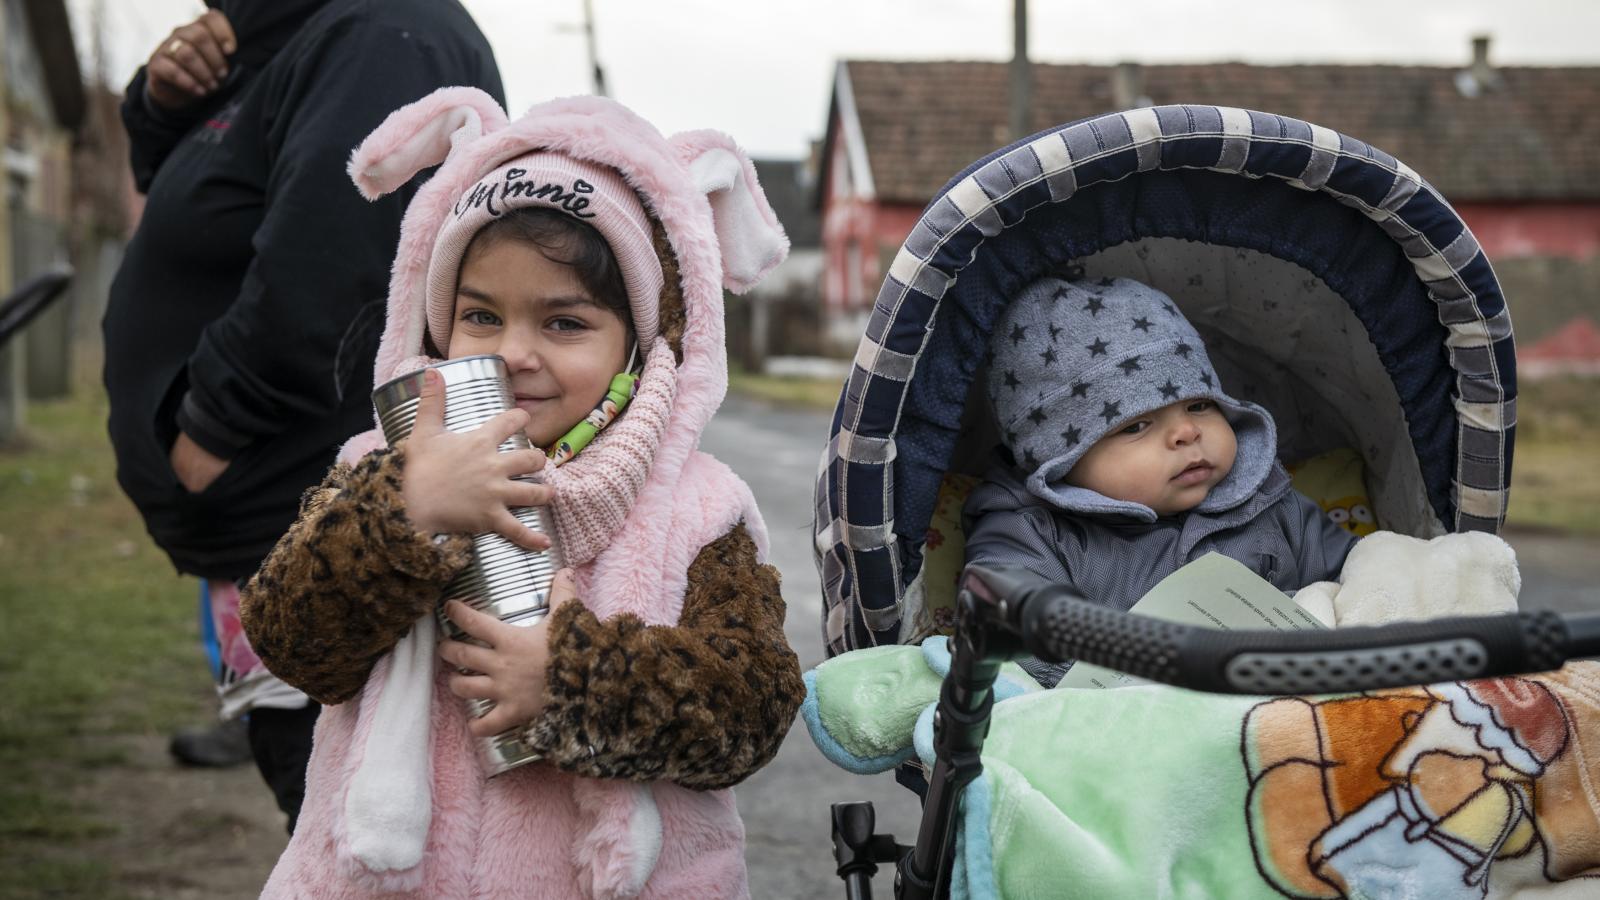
x=190 y=63
x=195 y=466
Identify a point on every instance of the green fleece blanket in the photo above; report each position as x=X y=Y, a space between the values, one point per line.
x=1460 y=790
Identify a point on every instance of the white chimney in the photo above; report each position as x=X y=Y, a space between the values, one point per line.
x=1480 y=77
x=1127 y=86
x=1481 y=69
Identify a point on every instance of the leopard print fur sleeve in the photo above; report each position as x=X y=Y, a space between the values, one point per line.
x=347 y=581
x=704 y=703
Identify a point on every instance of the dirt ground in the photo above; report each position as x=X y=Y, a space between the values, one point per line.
x=185 y=834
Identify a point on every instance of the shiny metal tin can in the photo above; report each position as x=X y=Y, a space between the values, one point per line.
x=502 y=579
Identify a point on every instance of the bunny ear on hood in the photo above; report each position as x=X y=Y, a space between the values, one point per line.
x=748 y=232
x=421 y=135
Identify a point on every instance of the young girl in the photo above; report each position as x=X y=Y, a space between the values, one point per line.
x=572 y=242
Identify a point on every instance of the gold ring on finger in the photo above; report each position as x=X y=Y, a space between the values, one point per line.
x=175 y=46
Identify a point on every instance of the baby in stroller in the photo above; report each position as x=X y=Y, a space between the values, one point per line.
x=1126 y=458
x=1337 y=289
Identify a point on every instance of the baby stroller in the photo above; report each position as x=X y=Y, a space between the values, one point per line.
x=1333 y=286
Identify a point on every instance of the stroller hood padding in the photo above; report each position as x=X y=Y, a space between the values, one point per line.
x=1358 y=224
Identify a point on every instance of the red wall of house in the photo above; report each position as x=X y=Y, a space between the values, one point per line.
x=859 y=236
x=844 y=219
x=1512 y=230
x=852 y=280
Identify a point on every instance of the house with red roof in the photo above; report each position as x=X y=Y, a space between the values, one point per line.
x=1513 y=149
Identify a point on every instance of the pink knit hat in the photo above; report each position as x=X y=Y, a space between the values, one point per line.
x=582 y=190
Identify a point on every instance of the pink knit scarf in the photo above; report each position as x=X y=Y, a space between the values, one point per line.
x=595 y=489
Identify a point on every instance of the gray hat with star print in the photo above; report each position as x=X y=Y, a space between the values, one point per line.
x=1071 y=360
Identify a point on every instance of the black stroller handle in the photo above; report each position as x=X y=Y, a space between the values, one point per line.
x=1052 y=623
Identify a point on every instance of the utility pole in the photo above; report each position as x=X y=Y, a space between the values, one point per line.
x=1021 y=95
x=594 y=54
x=97 y=22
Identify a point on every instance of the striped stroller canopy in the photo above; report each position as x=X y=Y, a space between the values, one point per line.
x=1410 y=280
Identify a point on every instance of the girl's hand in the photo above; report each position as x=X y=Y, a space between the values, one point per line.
x=462 y=483
x=191 y=62
x=510 y=670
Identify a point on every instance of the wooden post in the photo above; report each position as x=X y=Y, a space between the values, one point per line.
x=47 y=341
x=598 y=73
x=756 y=356
x=11 y=396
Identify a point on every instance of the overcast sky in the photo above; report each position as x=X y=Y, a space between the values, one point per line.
x=761 y=69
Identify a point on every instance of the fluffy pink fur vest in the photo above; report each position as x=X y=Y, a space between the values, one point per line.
x=536 y=831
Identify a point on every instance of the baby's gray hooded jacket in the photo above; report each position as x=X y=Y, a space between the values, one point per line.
x=1059 y=364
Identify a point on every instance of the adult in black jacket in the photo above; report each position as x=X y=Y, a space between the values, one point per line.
x=242 y=324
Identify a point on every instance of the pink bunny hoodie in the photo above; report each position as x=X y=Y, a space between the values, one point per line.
x=637 y=513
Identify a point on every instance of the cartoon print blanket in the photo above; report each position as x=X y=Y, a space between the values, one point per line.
x=1459 y=790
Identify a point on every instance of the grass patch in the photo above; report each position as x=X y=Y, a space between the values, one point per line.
x=45 y=877
x=1554 y=480
x=99 y=642
x=812 y=393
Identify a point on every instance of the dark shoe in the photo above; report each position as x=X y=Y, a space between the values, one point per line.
x=218 y=747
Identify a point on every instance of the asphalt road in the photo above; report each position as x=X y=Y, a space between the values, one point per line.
x=785 y=806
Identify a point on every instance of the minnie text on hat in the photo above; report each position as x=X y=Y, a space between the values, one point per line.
x=484 y=194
